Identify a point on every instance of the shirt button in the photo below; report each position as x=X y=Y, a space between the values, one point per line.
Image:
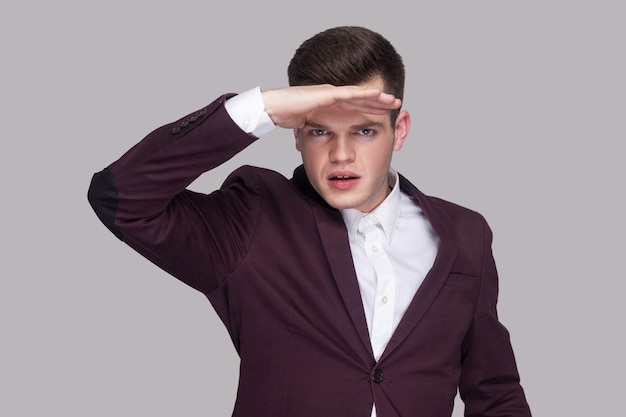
x=377 y=376
x=245 y=124
x=385 y=300
x=375 y=249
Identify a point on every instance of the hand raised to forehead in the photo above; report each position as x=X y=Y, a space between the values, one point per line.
x=288 y=107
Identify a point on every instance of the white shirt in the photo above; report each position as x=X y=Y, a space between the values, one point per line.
x=393 y=247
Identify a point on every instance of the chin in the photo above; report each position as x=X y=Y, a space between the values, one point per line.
x=340 y=204
x=340 y=200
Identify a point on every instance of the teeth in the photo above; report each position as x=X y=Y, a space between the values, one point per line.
x=342 y=177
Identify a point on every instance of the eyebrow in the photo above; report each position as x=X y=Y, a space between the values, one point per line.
x=364 y=125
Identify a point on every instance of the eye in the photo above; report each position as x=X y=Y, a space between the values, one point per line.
x=318 y=132
x=367 y=131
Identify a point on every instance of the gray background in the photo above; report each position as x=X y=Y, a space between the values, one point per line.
x=518 y=112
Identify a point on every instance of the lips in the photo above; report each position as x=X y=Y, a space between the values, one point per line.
x=342 y=176
x=342 y=180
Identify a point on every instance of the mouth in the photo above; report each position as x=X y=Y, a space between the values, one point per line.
x=343 y=180
x=342 y=176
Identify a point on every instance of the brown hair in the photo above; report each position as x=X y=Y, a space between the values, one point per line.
x=348 y=55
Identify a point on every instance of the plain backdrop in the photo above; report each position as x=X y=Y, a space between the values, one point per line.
x=518 y=112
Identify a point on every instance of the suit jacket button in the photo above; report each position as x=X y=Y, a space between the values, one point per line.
x=377 y=376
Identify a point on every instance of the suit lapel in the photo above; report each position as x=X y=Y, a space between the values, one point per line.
x=333 y=235
x=437 y=275
x=332 y=232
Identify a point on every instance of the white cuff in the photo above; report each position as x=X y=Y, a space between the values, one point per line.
x=248 y=111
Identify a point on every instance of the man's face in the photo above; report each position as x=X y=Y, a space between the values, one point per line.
x=347 y=154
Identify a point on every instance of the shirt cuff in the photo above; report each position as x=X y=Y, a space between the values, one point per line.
x=248 y=111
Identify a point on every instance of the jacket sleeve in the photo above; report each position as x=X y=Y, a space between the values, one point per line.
x=490 y=383
x=143 y=200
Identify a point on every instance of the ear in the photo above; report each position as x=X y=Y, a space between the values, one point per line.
x=296 y=134
x=402 y=126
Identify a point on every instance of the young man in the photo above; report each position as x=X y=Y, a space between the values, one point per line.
x=346 y=291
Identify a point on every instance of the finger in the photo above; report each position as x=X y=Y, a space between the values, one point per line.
x=370 y=106
x=352 y=92
x=365 y=95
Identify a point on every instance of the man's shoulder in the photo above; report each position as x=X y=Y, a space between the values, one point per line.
x=437 y=202
x=255 y=173
x=258 y=180
x=452 y=207
x=439 y=208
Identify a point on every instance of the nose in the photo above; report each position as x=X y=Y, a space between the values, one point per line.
x=341 y=149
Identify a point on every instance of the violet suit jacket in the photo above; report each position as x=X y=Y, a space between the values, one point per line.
x=274 y=260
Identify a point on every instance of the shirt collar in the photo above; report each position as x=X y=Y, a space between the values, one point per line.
x=387 y=212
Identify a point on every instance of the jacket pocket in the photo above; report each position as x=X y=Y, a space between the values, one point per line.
x=461 y=281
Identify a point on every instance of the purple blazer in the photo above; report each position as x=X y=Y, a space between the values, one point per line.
x=274 y=260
